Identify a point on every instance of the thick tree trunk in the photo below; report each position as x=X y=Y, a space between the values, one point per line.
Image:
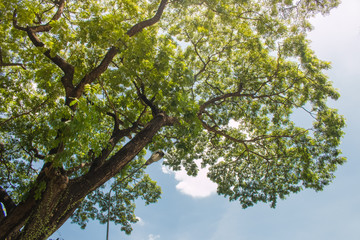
x=54 y=198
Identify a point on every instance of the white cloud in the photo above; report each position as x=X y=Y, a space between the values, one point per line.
x=153 y=237
x=233 y=123
x=166 y=170
x=198 y=187
x=140 y=221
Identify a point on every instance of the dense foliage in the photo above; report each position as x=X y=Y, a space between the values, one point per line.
x=87 y=87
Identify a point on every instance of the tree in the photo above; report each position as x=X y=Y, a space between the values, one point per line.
x=87 y=87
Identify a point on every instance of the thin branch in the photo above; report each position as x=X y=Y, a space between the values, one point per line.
x=13 y=64
x=112 y=106
x=222 y=97
x=9 y=170
x=195 y=46
x=67 y=68
x=111 y=53
x=216 y=129
x=98 y=176
x=116 y=136
x=41 y=28
x=2 y=64
x=46 y=27
x=96 y=72
x=116 y=121
x=141 y=93
x=15 y=22
x=37 y=154
x=140 y=116
x=24 y=113
x=212 y=86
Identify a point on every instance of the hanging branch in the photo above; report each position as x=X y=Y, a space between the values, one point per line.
x=3 y=64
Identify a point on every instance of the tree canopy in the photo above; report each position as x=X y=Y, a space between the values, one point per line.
x=88 y=87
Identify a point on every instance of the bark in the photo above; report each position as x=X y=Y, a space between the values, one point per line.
x=45 y=210
x=55 y=197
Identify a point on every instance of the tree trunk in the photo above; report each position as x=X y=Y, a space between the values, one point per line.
x=55 y=198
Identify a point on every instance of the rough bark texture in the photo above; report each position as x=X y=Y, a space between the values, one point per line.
x=44 y=212
x=55 y=197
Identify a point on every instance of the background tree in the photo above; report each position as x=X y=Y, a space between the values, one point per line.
x=87 y=87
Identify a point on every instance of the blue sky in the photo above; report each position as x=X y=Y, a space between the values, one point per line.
x=191 y=210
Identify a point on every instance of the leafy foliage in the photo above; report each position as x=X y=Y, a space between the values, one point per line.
x=66 y=94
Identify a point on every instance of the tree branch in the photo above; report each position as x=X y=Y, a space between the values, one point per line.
x=2 y=64
x=111 y=53
x=15 y=22
x=67 y=68
x=116 y=162
x=15 y=221
x=24 y=113
x=216 y=129
x=96 y=72
x=46 y=27
x=222 y=97
x=42 y=28
x=116 y=136
x=37 y=154
x=141 y=93
x=12 y=64
x=73 y=92
x=141 y=25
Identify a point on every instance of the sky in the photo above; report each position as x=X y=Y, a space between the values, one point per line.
x=190 y=209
